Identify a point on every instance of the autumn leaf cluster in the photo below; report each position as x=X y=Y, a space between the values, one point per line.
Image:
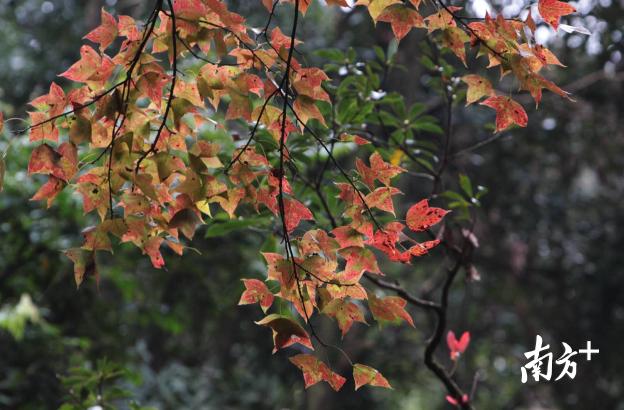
x=128 y=139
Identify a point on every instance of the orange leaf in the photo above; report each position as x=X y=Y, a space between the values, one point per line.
x=390 y=309
x=455 y=38
x=152 y=249
x=347 y=236
x=402 y=19
x=552 y=10
x=341 y=3
x=478 y=87
x=359 y=260
x=345 y=313
x=381 y=198
x=49 y=190
x=344 y=137
x=42 y=128
x=286 y=331
x=363 y=374
x=55 y=101
x=378 y=170
x=530 y=23
x=256 y=292
x=229 y=205
x=441 y=19
x=84 y=264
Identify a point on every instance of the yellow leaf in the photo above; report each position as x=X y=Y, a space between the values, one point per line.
x=396 y=157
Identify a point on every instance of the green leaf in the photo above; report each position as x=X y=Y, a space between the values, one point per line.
x=416 y=109
x=380 y=53
x=424 y=125
x=427 y=63
x=393 y=47
x=466 y=185
x=452 y=195
x=481 y=191
x=332 y=54
x=221 y=228
x=2 y=171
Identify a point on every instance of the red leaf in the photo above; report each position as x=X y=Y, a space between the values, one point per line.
x=386 y=240
x=84 y=68
x=421 y=216
x=363 y=374
x=127 y=27
x=508 y=112
x=256 y=292
x=152 y=249
x=421 y=249
x=295 y=211
x=315 y=371
x=457 y=347
x=106 y=33
x=49 y=190
x=452 y=400
x=43 y=160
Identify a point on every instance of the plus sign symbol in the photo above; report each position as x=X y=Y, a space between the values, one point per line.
x=589 y=351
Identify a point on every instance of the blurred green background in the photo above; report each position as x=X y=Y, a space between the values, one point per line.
x=551 y=258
